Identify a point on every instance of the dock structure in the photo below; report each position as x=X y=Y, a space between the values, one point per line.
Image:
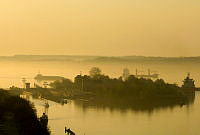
x=26 y=95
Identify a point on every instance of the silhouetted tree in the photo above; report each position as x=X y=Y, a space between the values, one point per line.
x=95 y=71
x=64 y=84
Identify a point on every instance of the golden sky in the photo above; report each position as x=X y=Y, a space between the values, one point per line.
x=100 y=27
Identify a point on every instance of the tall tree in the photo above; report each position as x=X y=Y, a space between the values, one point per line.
x=95 y=71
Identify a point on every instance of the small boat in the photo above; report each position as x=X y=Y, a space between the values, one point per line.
x=64 y=101
x=69 y=131
x=46 y=105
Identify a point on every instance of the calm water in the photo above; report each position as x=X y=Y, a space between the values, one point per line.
x=105 y=121
x=97 y=121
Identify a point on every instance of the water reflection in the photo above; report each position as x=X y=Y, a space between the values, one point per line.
x=82 y=117
x=135 y=105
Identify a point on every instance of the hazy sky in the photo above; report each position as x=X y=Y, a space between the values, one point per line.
x=100 y=27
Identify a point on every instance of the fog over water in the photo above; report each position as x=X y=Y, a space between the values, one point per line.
x=12 y=71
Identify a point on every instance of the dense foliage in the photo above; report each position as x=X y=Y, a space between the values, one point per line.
x=135 y=93
x=132 y=88
x=129 y=88
x=18 y=116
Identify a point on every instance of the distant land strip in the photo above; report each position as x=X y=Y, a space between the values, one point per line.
x=109 y=59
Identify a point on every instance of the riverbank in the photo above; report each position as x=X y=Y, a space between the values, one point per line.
x=18 y=116
x=184 y=97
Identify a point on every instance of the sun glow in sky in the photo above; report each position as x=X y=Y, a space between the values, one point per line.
x=100 y=27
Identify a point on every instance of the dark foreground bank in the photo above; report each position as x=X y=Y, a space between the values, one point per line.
x=18 y=117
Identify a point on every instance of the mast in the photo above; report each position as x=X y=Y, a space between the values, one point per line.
x=81 y=81
x=188 y=75
x=149 y=72
x=136 y=72
x=24 y=82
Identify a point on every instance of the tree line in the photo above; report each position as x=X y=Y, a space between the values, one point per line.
x=129 y=87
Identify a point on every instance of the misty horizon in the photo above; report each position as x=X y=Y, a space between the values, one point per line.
x=86 y=55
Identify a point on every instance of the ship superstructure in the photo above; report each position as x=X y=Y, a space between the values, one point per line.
x=41 y=77
x=188 y=82
x=44 y=81
x=149 y=75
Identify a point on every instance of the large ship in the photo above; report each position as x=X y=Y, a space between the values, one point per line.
x=149 y=75
x=40 y=77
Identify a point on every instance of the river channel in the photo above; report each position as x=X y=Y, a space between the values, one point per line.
x=93 y=120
